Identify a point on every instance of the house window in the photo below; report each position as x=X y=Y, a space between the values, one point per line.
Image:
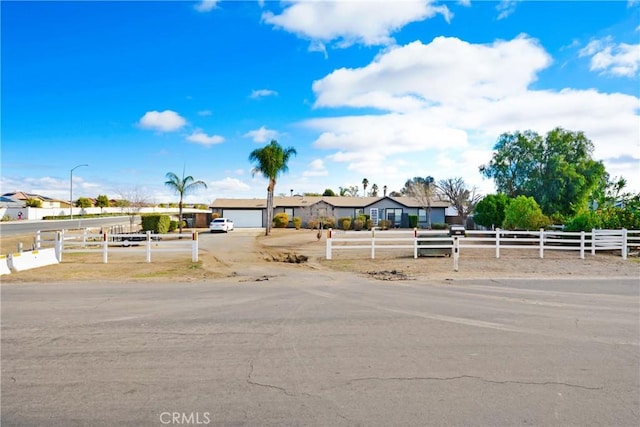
x=422 y=215
x=395 y=216
x=289 y=212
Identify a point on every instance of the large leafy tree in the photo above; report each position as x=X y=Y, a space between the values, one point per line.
x=523 y=213
x=557 y=170
x=102 y=201
x=462 y=198
x=271 y=161
x=182 y=186
x=423 y=190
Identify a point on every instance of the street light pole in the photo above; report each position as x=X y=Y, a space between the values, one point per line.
x=71 y=189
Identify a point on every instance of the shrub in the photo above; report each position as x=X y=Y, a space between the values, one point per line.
x=384 y=224
x=439 y=226
x=313 y=224
x=358 y=224
x=215 y=215
x=328 y=222
x=280 y=220
x=413 y=221
x=173 y=226
x=524 y=213
x=297 y=222
x=156 y=223
x=370 y=224
x=344 y=223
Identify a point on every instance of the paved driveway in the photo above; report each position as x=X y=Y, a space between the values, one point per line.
x=322 y=349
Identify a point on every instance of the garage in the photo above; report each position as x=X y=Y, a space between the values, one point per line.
x=244 y=218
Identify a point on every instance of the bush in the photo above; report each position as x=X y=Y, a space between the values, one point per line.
x=173 y=226
x=156 y=223
x=281 y=220
x=358 y=224
x=328 y=222
x=313 y=224
x=297 y=222
x=524 y=213
x=413 y=221
x=215 y=216
x=439 y=226
x=370 y=224
x=384 y=224
x=344 y=223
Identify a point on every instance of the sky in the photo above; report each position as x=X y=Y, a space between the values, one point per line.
x=380 y=90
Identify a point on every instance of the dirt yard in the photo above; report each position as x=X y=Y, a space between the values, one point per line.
x=241 y=252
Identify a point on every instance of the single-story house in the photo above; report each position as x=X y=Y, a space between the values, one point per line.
x=20 y=198
x=252 y=212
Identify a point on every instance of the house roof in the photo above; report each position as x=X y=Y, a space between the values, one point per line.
x=301 y=201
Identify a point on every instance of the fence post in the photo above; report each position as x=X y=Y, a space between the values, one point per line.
x=593 y=241
x=456 y=252
x=58 y=245
x=542 y=243
x=194 y=247
x=328 y=254
x=497 y=243
x=38 y=242
x=582 y=244
x=84 y=238
x=624 y=243
x=415 y=242
x=105 y=244
x=148 y=248
x=373 y=243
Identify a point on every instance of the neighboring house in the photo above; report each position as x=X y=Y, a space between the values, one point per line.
x=20 y=198
x=252 y=212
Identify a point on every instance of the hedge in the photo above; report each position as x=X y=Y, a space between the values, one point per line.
x=156 y=223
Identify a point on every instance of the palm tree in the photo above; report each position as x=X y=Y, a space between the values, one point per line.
x=384 y=189
x=374 y=190
x=182 y=186
x=271 y=161
x=365 y=184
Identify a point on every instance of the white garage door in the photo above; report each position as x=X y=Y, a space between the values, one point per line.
x=244 y=218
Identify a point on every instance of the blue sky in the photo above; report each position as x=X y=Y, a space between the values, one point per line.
x=361 y=89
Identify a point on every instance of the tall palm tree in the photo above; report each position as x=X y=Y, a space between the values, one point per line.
x=182 y=186
x=374 y=190
x=365 y=184
x=271 y=161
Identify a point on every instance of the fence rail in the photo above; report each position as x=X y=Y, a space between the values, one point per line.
x=66 y=242
x=424 y=241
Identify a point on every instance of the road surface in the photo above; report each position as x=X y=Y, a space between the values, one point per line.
x=322 y=348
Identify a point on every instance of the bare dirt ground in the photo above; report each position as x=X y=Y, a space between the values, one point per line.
x=245 y=252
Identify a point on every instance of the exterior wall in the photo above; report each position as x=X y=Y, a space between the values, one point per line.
x=39 y=213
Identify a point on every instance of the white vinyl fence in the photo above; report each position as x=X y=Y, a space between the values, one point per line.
x=66 y=242
x=439 y=241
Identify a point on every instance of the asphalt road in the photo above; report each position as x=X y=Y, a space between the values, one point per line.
x=15 y=228
x=322 y=349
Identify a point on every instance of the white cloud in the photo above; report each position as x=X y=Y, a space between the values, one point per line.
x=443 y=106
x=620 y=60
x=316 y=168
x=506 y=8
x=350 y=22
x=206 y=5
x=204 y=113
x=261 y=135
x=229 y=186
x=260 y=93
x=202 y=138
x=165 y=121
x=414 y=76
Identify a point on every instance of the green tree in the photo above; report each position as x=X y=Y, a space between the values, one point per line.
x=102 y=201
x=558 y=171
x=524 y=213
x=271 y=161
x=374 y=190
x=33 y=203
x=83 y=202
x=365 y=184
x=423 y=190
x=182 y=186
x=490 y=210
x=329 y=192
x=462 y=198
